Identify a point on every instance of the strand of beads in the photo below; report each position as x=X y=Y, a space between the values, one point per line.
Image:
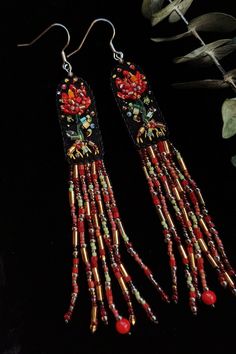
x=206 y=226
x=128 y=244
x=75 y=260
x=98 y=212
x=93 y=263
x=121 y=270
x=189 y=227
x=165 y=217
x=114 y=219
x=152 y=184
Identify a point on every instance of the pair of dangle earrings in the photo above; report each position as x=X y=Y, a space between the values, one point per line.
x=97 y=228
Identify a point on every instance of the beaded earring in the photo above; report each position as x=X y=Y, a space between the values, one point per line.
x=97 y=229
x=175 y=195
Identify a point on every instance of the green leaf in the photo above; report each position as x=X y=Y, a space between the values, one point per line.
x=213 y=22
x=183 y=7
x=202 y=84
x=151 y=6
x=163 y=13
x=229 y=118
x=202 y=55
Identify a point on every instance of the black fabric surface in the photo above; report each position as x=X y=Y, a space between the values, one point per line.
x=35 y=256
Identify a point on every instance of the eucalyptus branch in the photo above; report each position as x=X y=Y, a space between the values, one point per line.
x=210 y=54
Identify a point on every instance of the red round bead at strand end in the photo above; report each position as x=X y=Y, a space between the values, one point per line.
x=208 y=297
x=123 y=326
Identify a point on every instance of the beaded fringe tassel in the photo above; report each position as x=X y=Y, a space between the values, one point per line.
x=97 y=231
x=173 y=191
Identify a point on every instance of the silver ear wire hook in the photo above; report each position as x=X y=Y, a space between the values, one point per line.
x=66 y=65
x=116 y=54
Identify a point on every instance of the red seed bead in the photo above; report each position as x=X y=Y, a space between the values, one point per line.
x=193 y=197
x=147 y=271
x=172 y=262
x=156 y=200
x=81 y=226
x=127 y=278
x=208 y=297
x=197 y=232
x=185 y=260
x=123 y=326
x=106 y=198
x=94 y=261
x=184 y=182
x=154 y=160
x=81 y=169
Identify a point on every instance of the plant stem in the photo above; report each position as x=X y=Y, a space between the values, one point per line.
x=210 y=54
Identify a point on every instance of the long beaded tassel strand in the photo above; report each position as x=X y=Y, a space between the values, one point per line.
x=176 y=197
x=97 y=229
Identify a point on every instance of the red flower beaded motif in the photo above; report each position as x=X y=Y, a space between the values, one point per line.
x=131 y=86
x=75 y=101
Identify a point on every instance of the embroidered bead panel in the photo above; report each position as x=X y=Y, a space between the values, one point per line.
x=137 y=104
x=78 y=121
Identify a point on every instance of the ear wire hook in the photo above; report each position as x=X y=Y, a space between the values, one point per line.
x=66 y=65
x=116 y=54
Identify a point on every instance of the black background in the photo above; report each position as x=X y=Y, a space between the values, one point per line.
x=35 y=257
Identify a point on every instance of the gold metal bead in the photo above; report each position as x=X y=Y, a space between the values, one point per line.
x=108 y=182
x=96 y=275
x=200 y=197
x=180 y=188
x=123 y=270
x=93 y=328
x=132 y=319
x=182 y=164
x=100 y=207
x=71 y=198
x=122 y=284
x=87 y=207
x=76 y=171
x=203 y=225
x=151 y=152
x=212 y=261
x=182 y=251
x=75 y=238
x=99 y=292
x=176 y=193
x=192 y=260
x=229 y=280
x=100 y=242
x=203 y=245
x=93 y=168
x=84 y=255
x=145 y=172
x=94 y=314
x=115 y=237
x=170 y=221
x=95 y=220
x=166 y=146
